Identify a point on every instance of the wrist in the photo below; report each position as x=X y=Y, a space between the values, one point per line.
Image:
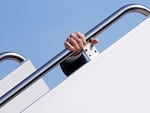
x=73 y=58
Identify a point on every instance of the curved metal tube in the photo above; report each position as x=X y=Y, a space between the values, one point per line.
x=12 y=56
x=66 y=53
x=115 y=16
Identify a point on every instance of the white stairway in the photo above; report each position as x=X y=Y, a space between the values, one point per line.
x=116 y=81
x=28 y=96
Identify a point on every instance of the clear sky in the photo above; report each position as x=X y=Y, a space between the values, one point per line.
x=37 y=29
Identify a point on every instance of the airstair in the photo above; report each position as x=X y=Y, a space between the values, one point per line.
x=114 y=81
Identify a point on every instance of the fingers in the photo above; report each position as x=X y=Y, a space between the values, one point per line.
x=82 y=38
x=94 y=40
x=75 y=42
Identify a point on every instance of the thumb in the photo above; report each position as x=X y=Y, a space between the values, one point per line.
x=94 y=40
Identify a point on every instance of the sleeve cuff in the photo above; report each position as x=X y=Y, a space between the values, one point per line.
x=72 y=58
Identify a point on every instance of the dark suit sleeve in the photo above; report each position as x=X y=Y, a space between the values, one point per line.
x=69 y=68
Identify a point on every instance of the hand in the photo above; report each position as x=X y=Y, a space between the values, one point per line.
x=76 y=42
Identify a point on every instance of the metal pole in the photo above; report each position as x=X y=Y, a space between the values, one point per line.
x=66 y=53
x=12 y=56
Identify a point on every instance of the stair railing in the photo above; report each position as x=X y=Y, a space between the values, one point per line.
x=48 y=66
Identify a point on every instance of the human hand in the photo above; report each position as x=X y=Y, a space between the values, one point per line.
x=76 y=42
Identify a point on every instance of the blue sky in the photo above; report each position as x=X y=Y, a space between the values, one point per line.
x=38 y=28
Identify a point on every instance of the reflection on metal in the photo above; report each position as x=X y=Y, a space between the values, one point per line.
x=12 y=56
x=66 y=53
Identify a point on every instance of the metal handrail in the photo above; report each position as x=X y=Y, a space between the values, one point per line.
x=66 y=53
x=12 y=56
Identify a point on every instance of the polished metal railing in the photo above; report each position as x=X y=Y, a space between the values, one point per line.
x=66 y=53
x=12 y=56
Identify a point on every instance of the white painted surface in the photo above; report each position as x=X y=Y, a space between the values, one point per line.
x=12 y=79
x=90 y=51
x=28 y=96
x=117 y=81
